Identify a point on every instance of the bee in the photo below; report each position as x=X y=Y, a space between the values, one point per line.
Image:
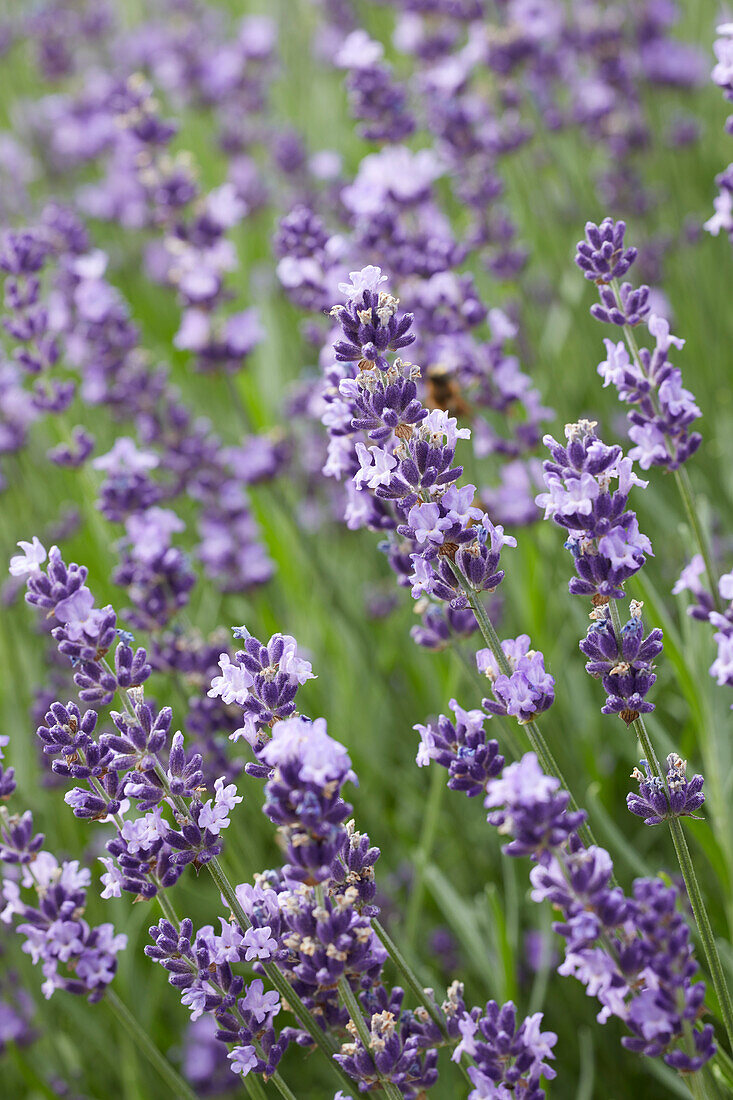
x=443 y=391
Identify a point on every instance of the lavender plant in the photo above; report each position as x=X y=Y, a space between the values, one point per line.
x=185 y=192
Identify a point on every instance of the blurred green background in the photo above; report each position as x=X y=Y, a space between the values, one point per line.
x=441 y=864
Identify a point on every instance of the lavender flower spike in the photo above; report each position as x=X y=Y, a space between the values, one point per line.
x=624 y=664
x=661 y=411
x=657 y=801
x=603 y=536
x=645 y=978
x=602 y=255
x=527 y=691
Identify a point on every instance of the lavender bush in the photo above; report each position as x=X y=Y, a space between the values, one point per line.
x=283 y=287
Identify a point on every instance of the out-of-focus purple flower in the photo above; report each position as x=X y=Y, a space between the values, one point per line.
x=527 y=690
x=461 y=746
x=530 y=807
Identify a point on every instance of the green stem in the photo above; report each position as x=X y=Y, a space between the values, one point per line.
x=703 y=925
x=422 y=995
x=696 y=1085
x=352 y=1006
x=282 y=1087
x=534 y=735
x=166 y=905
x=254 y=1087
x=180 y=1089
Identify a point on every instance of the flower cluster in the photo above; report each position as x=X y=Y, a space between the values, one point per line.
x=632 y=953
x=704 y=609
x=603 y=536
x=461 y=747
x=507 y=1054
x=639 y=971
x=83 y=633
x=662 y=410
x=397 y=209
x=441 y=543
x=470 y=85
x=376 y=100
x=623 y=664
x=659 y=799
x=74 y=955
x=536 y=825
x=263 y=681
x=200 y=966
x=527 y=689
x=139 y=763
x=303 y=795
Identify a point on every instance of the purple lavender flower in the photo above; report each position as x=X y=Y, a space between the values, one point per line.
x=127 y=487
x=507 y=1055
x=200 y=966
x=83 y=632
x=646 y=977
x=527 y=690
x=371 y=326
x=156 y=574
x=73 y=955
x=602 y=255
x=410 y=472
x=603 y=537
x=662 y=410
x=374 y=97
x=624 y=665
x=461 y=747
x=704 y=609
x=392 y=1055
x=722 y=75
x=303 y=795
x=263 y=680
x=658 y=800
x=529 y=806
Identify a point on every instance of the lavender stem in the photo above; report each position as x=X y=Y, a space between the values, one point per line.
x=703 y=924
x=423 y=996
x=682 y=480
x=409 y=975
x=140 y=1037
x=253 y=1087
x=282 y=1087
